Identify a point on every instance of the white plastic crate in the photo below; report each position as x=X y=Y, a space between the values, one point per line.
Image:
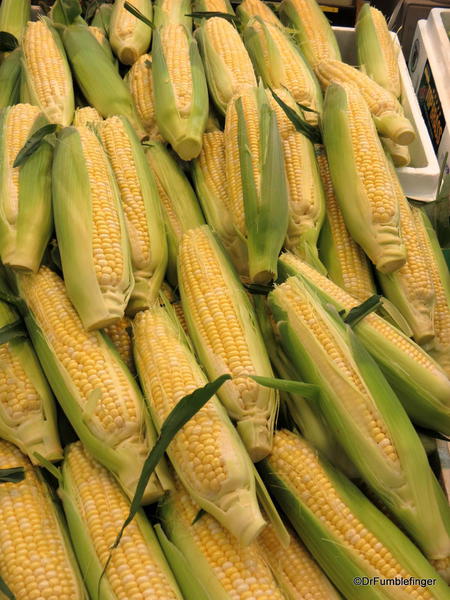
x=420 y=179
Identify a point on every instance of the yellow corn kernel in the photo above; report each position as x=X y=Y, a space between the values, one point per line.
x=175 y=46
x=86 y=115
x=18 y=396
x=257 y=8
x=215 y=6
x=119 y=333
x=98 y=34
x=140 y=81
x=388 y=50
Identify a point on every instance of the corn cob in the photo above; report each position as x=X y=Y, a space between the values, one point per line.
x=227 y=64
x=10 y=70
x=93 y=386
x=419 y=382
x=364 y=414
x=377 y=53
x=281 y=65
x=140 y=83
x=248 y=9
x=36 y=558
x=312 y=31
x=46 y=77
x=224 y=569
x=361 y=178
x=120 y=335
x=95 y=508
x=172 y=12
x=97 y=76
x=411 y=288
x=85 y=116
x=179 y=203
x=14 y=15
x=223 y=329
x=400 y=154
x=346 y=263
x=254 y=162
x=297 y=574
x=102 y=18
x=142 y=209
x=130 y=37
x=211 y=187
x=103 y=41
x=387 y=112
x=344 y=532
x=180 y=91
x=223 y=6
x=207 y=454
x=25 y=192
x=174 y=300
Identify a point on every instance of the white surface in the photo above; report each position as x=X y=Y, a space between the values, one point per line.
x=420 y=179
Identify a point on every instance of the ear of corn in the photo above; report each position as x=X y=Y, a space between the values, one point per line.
x=95 y=509
x=399 y=154
x=223 y=567
x=257 y=8
x=417 y=379
x=223 y=328
x=377 y=53
x=120 y=335
x=207 y=454
x=10 y=70
x=140 y=82
x=86 y=116
x=130 y=37
x=142 y=210
x=36 y=558
x=14 y=15
x=223 y=6
x=228 y=66
x=361 y=178
x=103 y=41
x=102 y=17
x=344 y=532
x=97 y=76
x=26 y=205
x=180 y=91
x=281 y=65
x=93 y=386
x=364 y=414
x=312 y=31
x=46 y=77
x=172 y=12
x=256 y=180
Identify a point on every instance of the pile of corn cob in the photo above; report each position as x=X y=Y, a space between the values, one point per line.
x=131 y=278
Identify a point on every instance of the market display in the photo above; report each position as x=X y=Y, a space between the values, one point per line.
x=189 y=192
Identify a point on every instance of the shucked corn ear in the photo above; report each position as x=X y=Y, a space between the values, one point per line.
x=207 y=453
x=223 y=328
x=46 y=77
x=129 y=36
x=25 y=191
x=257 y=8
x=95 y=509
x=180 y=91
x=93 y=386
x=85 y=116
x=227 y=64
x=364 y=414
x=387 y=112
x=140 y=83
x=361 y=177
x=141 y=207
x=10 y=70
x=344 y=532
x=377 y=53
x=120 y=335
x=417 y=379
x=346 y=263
x=217 y=563
x=281 y=65
x=14 y=15
x=256 y=180
x=36 y=558
x=181 y=210
x=312 y=31
x=91 y=229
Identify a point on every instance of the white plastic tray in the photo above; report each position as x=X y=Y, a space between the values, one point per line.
x=420 y=179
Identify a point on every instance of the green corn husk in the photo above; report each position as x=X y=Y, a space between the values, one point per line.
x=288 y=471
x=97 y=77
x=104 y=43
x=255 y=408
x=130 y=37
x=231 y=500
x=37 y=528
x=223 y=6
x=123 y=449
x=102 y=18
x=10 y=73
x=247 y=9
x=26 y=220
x=377 y=234
x=168 y=12
x=98 y=301
x=182 y=126
x=181 y=210
x=377 y=53
x=111 y=508
x=399 y=154
x=14 y=15
x=149 y=249
x=265 y=203
x=312 y=31
x=394 y=466
x=417 y=379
